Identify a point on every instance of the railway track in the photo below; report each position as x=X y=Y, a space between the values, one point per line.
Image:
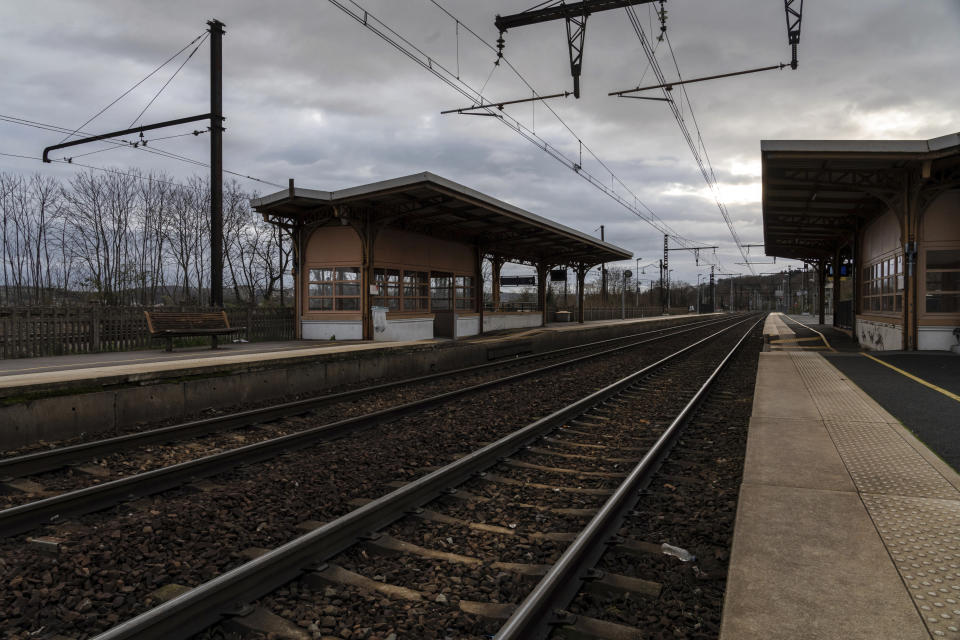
x=517 y=525
x=47 y=459
x=24 y=513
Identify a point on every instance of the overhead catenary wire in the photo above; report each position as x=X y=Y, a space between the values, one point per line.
x=637 y=207
x=703 y=161
x=146 y=178
x=121 y=144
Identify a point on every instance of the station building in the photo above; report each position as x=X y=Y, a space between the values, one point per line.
x=402 y=259
x=882 y=220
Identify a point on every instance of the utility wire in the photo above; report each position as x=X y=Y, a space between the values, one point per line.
x=125 y=93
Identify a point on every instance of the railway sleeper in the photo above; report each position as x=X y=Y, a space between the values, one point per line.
x=492 y=477
x=586 y=474
x=580 y=445
x=587 y=628
x=575 y=456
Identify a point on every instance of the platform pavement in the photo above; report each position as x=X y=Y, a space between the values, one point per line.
x=847 y=525
x=55 y=370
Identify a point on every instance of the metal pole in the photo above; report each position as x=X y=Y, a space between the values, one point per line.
x=623 y=299
x=637 y=289
x=698 y=292
x=216 y=163
x=603 y=275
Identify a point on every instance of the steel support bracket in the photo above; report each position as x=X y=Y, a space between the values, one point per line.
x=576 y=31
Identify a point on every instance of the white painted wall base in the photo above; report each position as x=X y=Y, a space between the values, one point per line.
x=330 y=330
x=935 y=338
x=400 y=329
x=498 y=321
x=879 y=336
x=468 y=326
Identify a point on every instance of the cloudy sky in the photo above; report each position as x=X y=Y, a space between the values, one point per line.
x=311 y=94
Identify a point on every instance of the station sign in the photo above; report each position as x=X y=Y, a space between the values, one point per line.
x=517 y=281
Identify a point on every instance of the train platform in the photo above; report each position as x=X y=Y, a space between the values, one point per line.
x=848 y=524
x=29 y=372
x=52 y=398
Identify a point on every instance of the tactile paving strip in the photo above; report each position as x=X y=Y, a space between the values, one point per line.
x=916 y=511
x=880 y=461
x=835 y=397
x=923 y=538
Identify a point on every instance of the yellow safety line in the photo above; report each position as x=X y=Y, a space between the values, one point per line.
x=822 y=337
x=915 y=378
x=785 y=340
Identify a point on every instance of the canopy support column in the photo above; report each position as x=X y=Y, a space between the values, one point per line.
x=367 y=230
x=581 y=270
x=836 y=286
x=496 y=263
x=821 y=287
x=299 y=282
x=543 y=270
x=478 y=282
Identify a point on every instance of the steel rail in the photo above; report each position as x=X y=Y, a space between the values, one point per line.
x=101 y=496
x=229 y=593
x=540 y=610
x=51 y=459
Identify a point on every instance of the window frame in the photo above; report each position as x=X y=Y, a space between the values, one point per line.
x=464 y=296
x=337 y=282
x=881 y=288
x=928 y=293
x=384 y=297
x=421 y=285
x=449 y=288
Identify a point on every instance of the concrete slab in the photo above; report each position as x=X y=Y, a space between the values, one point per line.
x=847 y=524
x=810 y=564
x=797 y=453
x=780 y=392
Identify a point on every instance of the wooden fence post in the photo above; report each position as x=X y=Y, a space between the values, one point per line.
x=95 y=329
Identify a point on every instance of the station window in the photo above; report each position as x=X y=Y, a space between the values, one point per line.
x=416 y=291
x=464 y=292
x=943 y=281
x=883 y=286
x=334 y=289
x=441 y=291
x=388 y=288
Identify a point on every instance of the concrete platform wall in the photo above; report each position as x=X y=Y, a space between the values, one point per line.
x=517 y=320
x=935 y=338
x=330 y=330
x=879 y=336
x=404 y=329
x=90 y=407
x=467 y=325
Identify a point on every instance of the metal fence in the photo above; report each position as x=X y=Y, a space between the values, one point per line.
x=29 y=332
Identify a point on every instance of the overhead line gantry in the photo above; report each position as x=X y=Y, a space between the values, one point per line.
x=574 y=14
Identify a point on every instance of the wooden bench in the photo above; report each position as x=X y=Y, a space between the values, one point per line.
x=175 y=324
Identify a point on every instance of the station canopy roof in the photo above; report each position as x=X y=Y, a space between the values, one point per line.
x=817 y=193
x=428 y=204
